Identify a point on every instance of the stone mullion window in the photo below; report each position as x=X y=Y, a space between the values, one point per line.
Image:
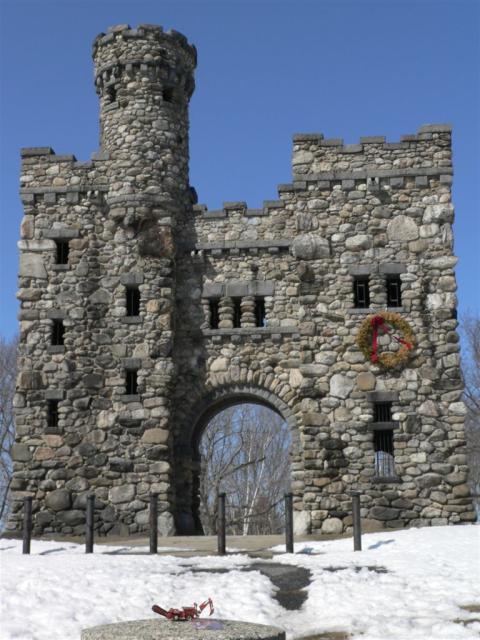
x=248 y=311
x=225 y=313
x=377 y=290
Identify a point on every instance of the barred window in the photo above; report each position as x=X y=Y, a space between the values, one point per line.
x=394 y=291
x=384 y=457
x=361 y=292
x=382 y=412
x=63 y=249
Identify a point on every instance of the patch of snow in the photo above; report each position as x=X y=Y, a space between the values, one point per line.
x=59 y=590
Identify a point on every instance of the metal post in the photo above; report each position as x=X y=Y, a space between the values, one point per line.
x=222 y=546
x=27 y=524
x=289 y=522
x=153 y=523
x=89 y=523
x=357 y=523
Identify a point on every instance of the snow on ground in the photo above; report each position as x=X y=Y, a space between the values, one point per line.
x=404 y=585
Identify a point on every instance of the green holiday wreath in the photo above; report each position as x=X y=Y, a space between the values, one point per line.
x=385 y=322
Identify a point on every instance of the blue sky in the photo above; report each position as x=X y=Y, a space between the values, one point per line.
x=267 y=69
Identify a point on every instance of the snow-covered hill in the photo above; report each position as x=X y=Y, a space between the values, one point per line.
x=430 y=574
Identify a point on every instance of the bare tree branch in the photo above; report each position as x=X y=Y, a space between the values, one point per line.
x=470 y=331
x=8 y=372
x=245 y=452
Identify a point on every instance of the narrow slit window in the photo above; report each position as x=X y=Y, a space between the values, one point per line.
x=63 y=249
x=361 y=292
x=237 y=312
x=260 y=320
x=111 y=94
x=384 y=456
x=214 y=313
x=382 y=412
x=58 y=330
x=394 y=291
x=131 y=384
x=133 y=301
x=167 y=94
x=52 y=413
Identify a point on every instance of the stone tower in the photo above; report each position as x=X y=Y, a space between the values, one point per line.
x=143 y=314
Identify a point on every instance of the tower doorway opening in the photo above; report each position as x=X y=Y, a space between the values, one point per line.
x=244 y=451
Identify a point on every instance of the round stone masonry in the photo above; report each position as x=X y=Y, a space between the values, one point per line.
x=200 y=629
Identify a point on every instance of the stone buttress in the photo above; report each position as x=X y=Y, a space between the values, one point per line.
x=161 y=313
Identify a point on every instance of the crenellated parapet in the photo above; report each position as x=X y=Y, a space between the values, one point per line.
x=423 y=155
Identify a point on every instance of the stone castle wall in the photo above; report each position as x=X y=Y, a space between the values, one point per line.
x=371 y=209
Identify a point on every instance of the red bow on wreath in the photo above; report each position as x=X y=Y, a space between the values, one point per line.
x=378 y=323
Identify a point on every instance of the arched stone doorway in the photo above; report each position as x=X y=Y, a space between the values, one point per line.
x=187 y=455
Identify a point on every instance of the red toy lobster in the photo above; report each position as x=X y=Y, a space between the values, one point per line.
x=185 y=613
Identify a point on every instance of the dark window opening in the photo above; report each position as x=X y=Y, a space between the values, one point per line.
x=63 y=249
x=133 y=301
x=260 y=312
x=53 y=413
x=131 y=383
x=214 y=314
x=361 y=293
x=167 y=94
x=58 y=329
x=111 y=94
x=384 y=458
x=237 y=312
x=394 y=292
x=382 y=412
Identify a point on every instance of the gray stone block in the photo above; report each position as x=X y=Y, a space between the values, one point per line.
x=372 y=139
x=236 y=289
x=382 y=396
x=64 y=233
x=228 y=206
x=56 y=314
x=32 y=266
x=421 y=181
x=132 y=363
x=435 y=128
x=28 y=152
x=362 y=269
x=132 y=278
x=213 y=290
x=54 y=394
x=392 y=268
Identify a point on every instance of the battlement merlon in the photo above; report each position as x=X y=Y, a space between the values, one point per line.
x=428 y=149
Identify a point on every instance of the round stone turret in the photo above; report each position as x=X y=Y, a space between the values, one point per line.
x=144 y=78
